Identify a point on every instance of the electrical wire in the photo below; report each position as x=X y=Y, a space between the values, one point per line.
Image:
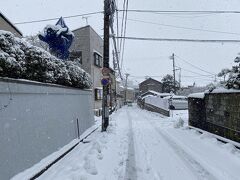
x=182 y=40
x=180 y=11
x=194 y=65
x=114 y=43
x=183 y=27
x=125 y=27
x=65 y=17
x=122 y=25
x=204 y=75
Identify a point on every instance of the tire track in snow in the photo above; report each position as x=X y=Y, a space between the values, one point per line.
x=131 y=171
x=198 y=170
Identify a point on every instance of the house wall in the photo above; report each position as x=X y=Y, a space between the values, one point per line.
x=81 y=43
x=36 y=120
x=4 y=25
x=88 y=41
x=96 y=45
x=220 y=114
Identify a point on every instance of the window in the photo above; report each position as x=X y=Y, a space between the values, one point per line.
x=97 y=59
x=98 y=94
x=76 y=56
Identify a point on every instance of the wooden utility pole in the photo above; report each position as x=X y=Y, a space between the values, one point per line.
x=105 y=100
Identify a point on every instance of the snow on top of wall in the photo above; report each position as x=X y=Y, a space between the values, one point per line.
x=175 y=97
x=197 y=95
x=224 y=90
x=144 y=97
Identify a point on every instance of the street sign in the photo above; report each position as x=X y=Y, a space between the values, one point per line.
x=105 y=81
x=105 y=71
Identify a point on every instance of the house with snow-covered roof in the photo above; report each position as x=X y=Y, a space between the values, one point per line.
x=6 y=25
x=150 y=84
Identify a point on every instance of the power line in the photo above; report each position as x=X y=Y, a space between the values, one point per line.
x=122 y=25
x=182 y=40
x=115 y=43
x=180 y=11
x=66 y=17
x=204 y=75
x=183 y=27
x=125 y=27
x=194 y=65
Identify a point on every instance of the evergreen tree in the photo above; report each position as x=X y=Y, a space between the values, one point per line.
x=168 y=84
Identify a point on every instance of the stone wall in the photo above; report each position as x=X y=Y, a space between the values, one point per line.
x=197 y=114
x=223 y=114
x=218 y=113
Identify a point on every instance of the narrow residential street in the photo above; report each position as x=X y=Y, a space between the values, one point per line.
x=147 y=146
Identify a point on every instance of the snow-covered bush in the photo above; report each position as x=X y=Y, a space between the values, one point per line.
x=178 y=123
x=234 y=77
x=19 y=59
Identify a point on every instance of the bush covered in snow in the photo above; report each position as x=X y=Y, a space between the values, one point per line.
x=234 y=77
x=19 y=59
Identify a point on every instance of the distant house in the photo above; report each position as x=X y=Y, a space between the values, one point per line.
x=128 y=92
x=6 y=25
x=150 y=84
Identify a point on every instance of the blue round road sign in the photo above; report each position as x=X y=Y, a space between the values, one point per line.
x=105 y=82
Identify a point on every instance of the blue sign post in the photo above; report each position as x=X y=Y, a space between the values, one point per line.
x=105 y=81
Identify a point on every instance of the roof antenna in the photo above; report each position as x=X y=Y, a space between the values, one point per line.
x=86 y=18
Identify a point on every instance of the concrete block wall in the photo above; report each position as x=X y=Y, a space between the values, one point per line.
x=223 y=114
x=36 y=120
x=218 y=113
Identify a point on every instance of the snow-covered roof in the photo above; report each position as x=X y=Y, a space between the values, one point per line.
x=197 y=95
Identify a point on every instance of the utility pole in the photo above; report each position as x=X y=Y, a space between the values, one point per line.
x=105 y=100
x=180 y=72
x=180 y=76
x=125 y=96
x=174 y=76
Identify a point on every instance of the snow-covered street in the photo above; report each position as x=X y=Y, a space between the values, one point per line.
x=147 y=146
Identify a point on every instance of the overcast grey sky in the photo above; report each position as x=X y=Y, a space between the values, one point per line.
x=147 y=58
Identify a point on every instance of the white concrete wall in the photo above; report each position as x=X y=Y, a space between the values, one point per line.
x=36 y=120
x=158 y=102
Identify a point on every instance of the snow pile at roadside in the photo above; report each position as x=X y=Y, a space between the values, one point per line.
x=19 y=59
x=178 y=123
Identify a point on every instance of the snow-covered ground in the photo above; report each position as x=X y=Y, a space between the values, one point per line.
x=147 y=146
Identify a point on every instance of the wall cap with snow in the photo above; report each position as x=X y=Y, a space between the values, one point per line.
x=30 y=82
